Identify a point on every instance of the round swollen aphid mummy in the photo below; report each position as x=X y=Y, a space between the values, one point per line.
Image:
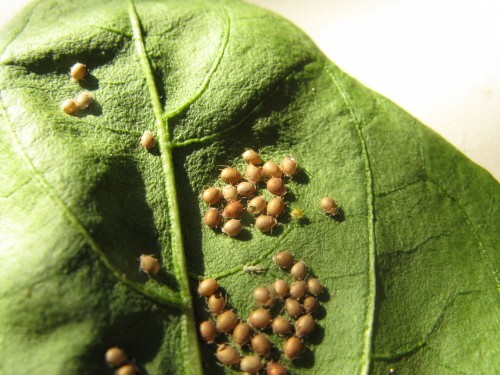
x=78 y=71
x=275 y=207
x=253 y=173
x=262 y=296
x=283 y=259
x=281 y=288
x=148 y=140
x=207 y=331
x=69 y=106
x=227 y=355
x=261 y=345
x=115 y=357
x=250 y=156
x=233 y=210
x=232 y=228
x=216 y=304
x=207 y=287
x=304 y=325
x=281 y=326
x=292 y=348
x=310 y=304
x=230 y=193
x=293 y=307
x=296 y=214
x=211 y=195
x=245 y=189
x=250 y=364
x=226 y=321
x=328 y=206
x=260 y=318
x=241 y=334
x=271 y=169
x=298 y=289
x=274 y=368
x=256 y=205
x=129 y=369
x=276 y=186
x=289 y=166
x=314 y=286
x=149 y=265
x=230 y=176
x=299 y=270
x=213 y=218
x=265 y=223
x=83 y=100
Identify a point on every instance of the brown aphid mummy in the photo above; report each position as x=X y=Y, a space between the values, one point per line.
x=230 y=193
x=274 y=368
x=314 y=286
x=230 y=176
x=299 y=270
x=262 y=296
x=211 y=195
x=213 y=218
x=265 y=223
x=207 y=287
x=289 y=166
x=233 y=210
x=293 y=307
x=253 y=173
x=115 y=357
x=208 y=331
x=148 y=140
x=276 y=186
x=304 y=325
x=292 y=348
x=69 y=106
x=78 y=71
x=281 y=326
x=261 y=345
x=260 y=318
x=275 y=207
x=232 y=228
x=298 y=289
x=216 y=304
x=328 y=206
x=250 y=364
x=281 y=288
x=310 y=304
x=283 y=259
x=241 y=334
x=257 y=205
x=149 y=265
x=271 y=169
x=245 y=189
x=83 y=100
x=227 y=355
x=226 y=321
x=250 y=156
x=129 y=369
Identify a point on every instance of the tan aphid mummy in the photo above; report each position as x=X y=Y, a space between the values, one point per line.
x=276 y=186
x=281 y=326
x=232 y=228
x=261 y=345
x=314 y=286
x=211 y=195
x=233 y=210
x=245 y=189
x=260 y=318
x=250 y=364
x=213 y=218
x=262 y=296
x=252 y=157
x=226 y=321
x=304 y=325
x=275 y=207
x=253 y=173
x=293 y=307
x=129 y=369
x=227 y=355
x=230 y=193
x=281 y=288
x=299 y=270
x=148 y=140
x=241 y=334
x=265 y=223
x=283 y=259
x=257 y=205
x=274 y=368
x=289 y=166
x=292 y=348
x=310 y=304
x=208 y=331
x=329 y=206
x=298 y=289
x=149 y=265
x=230 y=176
x=83 y=100
x=216 y=303
x=78 y=71
x=207 y=287
x=69 y=106
x=115 y=357
x=271 y=169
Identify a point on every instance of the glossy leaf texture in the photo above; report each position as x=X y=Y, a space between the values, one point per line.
x=410 y=265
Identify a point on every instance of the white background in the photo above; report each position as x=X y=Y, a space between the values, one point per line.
x=438 y=59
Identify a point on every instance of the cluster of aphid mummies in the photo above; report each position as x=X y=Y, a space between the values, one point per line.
x=246 y=344
x=84 y=99
x=117 y=359
x=230 y=197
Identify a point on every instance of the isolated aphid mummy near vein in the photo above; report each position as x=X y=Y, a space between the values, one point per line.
x=149 y=265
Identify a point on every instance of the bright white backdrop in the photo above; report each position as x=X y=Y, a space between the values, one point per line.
x=438 y=59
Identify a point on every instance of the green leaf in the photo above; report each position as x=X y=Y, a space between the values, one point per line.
x=410 y=267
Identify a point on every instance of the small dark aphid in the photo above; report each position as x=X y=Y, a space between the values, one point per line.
x=293 y=307
x=271 y=169
x=289 y=166
x=211 y=195
x=216 y=303
x=253 y=173
x=296 y=214
x=328 y=206
x=281 y=326
x=250 y=364
x=78 y=71
x=292 y=347
x=83 y=100
x=213 y=218
x=69 y=106
x=250 y=156
x=241 y=334
x=304 y=325
x=226 y=321
x=232 y=227
x=261 y=345
x=299 y=270
x=233 y=210
x=262 y=296
x=227 y=355
x=230 y=193
x=207 y=331
x=265 y=223
x=283 y=259
x=256 y=205
x=310 y=304
x=148 y=140
x=149 y=265
x=275 y=207
x=274 y=368
x=245 y=189
x=115 y=357
x=281 y=288
x=207 y=287
x=260 y=318
x=298 y=289
x=314 y=286
x=276 y=186
x=230 y=176
x=129 y=369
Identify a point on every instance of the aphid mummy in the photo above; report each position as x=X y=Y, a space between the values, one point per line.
x=250 y=156
x=293 y=308
x=310 y=304
x=207 y=287
x=276 y=186
x=281 y=288
x=281 y=326
x=84 y=100
x=283 y=259
x=232 y=228
x=298 y=289
x=299 y=270
x=257 y=205
x=261 y=345
x=265 y=223
x=69 y=106
x=262 y=296
x=274 y=368
x=271 y=169
x=329 y=206
x=253 y=269
x=314 y=286
x=213 y=218
x=260 y=318
x=115 y=357
x=245 y=189
x=230 y=193
x=230 y=176
x=241 y=334
x=211 y=195
x=253 y=173
x=292 y=347
x=233 y=210
x=250 y=364
x=275 y=207
x=226 y=321
x=148 y=140
x=216 y=303
x=129 y=369
x=149 y=265
x=289 y=166
x=304 y=325
x=227 y=355
x=207 y=331
x=78 y=71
